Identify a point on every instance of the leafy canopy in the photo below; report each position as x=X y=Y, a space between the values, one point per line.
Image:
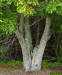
x=52 y=9
x=8 y=18
x=27 y=7
x=9 y=10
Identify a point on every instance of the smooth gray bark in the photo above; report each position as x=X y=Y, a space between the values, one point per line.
x=28 y=37
x=32 y=62
x=24 y=42
x=38 y=54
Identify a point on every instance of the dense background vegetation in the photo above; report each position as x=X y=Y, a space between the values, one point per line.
x=9 y=22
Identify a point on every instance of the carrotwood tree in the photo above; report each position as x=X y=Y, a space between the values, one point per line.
x=48 y=9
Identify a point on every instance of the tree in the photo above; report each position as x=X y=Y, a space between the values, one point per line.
x=32 y=57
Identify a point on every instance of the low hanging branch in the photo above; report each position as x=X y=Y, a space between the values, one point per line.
x=35 y=22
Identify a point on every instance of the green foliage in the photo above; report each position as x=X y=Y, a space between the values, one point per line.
x=60 y=51
x=2 y=52
x=8 y=22
x=50 y=8
x=42 y=9
x=5 y=3
x=47 y=64
x=11 y=63
x=26 y=7
x=56 y=24
x=54 y=7
x=8 y=18
x=55 y=73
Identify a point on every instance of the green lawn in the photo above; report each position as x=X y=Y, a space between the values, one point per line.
x=11 y=63
x=45 y=63
x=55 y=73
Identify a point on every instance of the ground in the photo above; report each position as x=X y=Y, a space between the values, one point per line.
x=19 y=70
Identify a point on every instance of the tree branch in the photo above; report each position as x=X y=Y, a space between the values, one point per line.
x=21 y=23
x=19 y=33
x=35 y=22
x=28 y=37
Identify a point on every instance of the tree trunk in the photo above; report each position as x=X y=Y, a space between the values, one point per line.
x=39 y=51
x=25 y=45
x=32 y=62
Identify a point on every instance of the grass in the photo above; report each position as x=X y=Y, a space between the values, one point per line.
x=11 y=63
x=19 y=63
x=45 y=63
x=4 y=70
x=55 y=73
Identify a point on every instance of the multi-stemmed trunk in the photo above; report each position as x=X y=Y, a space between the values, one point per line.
x=25 y=42
x=39 y=50
x=32 y=57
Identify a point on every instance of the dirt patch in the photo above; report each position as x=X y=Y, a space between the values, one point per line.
x=55 y=68
x=18 y=70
